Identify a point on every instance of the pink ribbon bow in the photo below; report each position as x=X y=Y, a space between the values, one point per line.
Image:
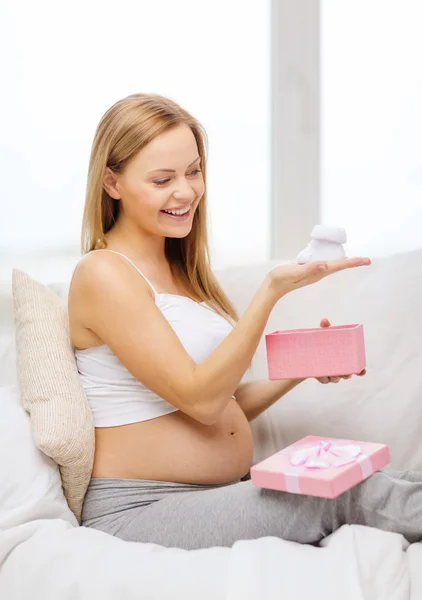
x=324 y=454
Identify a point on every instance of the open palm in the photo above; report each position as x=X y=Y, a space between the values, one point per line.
x=289 y=277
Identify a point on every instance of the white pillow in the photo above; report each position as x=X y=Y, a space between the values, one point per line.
x=30 y=481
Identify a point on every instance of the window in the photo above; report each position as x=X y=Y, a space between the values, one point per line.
x=68 y=63
x=371 y=122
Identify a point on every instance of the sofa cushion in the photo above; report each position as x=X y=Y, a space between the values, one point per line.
x=50 y=388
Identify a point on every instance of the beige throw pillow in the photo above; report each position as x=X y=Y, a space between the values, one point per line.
x=50 y=388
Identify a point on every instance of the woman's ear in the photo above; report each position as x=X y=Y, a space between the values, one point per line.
x=110 y=184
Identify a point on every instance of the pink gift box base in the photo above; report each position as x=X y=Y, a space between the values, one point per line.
x=317 y=352
x=278 y=473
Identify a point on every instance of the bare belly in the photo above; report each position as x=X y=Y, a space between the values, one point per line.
x=177 y=448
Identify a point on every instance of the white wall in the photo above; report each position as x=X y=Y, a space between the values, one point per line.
x=68 y=62
x=371 y=68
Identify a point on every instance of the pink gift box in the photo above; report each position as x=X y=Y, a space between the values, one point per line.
x=316 y=466
x=318 y=352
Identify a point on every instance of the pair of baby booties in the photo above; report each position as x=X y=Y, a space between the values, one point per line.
x=326 y=244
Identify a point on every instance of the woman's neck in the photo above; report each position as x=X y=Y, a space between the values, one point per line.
x=129 y=239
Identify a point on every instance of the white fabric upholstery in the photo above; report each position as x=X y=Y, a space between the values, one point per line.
x=43 y=552
x=30 y=481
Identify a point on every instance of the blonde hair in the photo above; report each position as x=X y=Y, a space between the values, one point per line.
x=126 y=128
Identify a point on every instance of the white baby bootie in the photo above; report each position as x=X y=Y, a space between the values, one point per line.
x=326 y=244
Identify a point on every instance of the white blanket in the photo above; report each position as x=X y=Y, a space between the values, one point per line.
x=52 y=560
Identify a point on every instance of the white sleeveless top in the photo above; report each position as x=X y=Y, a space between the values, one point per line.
x=115 y=396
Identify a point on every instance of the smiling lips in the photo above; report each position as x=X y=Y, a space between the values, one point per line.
x=180 y=214
x=178 y=211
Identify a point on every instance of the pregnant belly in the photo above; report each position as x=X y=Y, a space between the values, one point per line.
x=177 y=448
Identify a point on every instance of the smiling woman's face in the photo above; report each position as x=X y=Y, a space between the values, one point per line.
x=161 y=187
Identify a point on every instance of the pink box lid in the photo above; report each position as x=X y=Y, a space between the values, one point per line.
x=278 y=472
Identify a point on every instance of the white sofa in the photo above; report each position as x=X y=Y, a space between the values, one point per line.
x=45 y=555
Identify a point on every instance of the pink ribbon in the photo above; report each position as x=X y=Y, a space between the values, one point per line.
x=324 y=454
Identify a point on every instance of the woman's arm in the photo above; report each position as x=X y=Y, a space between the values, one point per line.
x=256 y=396
x=120 y=309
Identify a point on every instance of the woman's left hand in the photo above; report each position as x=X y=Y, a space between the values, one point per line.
x=326 y=323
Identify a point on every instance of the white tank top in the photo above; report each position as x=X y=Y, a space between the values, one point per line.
x=115 y=396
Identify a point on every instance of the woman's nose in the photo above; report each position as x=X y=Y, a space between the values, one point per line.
x=184 y=192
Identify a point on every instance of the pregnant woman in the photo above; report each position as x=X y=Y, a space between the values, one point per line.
x=161 y=354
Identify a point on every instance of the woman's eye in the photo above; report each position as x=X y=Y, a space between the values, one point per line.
x=164 y=181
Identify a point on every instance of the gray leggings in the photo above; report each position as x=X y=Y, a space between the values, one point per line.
x=200 y=516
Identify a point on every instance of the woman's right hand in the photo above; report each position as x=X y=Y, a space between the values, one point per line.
x=286 y=278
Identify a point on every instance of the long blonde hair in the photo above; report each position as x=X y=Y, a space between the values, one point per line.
x=126 y=128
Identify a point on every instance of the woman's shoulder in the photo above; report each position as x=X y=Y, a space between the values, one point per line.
x=101 y=284
x=95 y=262
x=89 y=270
x=99 y=272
